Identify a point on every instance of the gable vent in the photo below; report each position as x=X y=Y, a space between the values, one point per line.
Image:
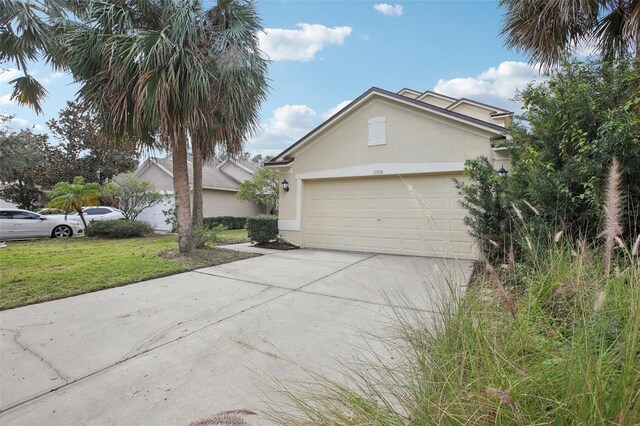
x=377 y=131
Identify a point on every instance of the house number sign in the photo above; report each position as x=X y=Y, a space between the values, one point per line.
x=378 y=172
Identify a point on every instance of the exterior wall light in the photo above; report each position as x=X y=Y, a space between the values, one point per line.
x=503 y=172
x=285 y=185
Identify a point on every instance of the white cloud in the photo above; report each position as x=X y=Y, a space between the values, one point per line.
x=335 y=109
x=6 y=100
x=301 y=44
x=9 y=74
x=496 y=86
x=288 y=124
x=19 y=122
x=389 y=9
x=55 y=75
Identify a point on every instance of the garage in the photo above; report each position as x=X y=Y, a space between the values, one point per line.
x=378 y=175
x=155 y=217
x=385 y=215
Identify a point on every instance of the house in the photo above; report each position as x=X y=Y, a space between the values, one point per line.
x=378 y=175
x=220 y=183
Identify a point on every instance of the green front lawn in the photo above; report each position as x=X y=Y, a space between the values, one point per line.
x=37 y=271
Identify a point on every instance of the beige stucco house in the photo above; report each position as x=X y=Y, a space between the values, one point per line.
x=378 y=175
x=220 y=183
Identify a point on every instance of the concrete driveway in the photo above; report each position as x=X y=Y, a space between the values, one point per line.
x=185 y=347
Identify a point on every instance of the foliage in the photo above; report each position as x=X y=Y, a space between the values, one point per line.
x=263 y=189
x=548 y=31
x=578 y=121
x=30 y=165
x=73 y=196
x=83 y=149
x=486 y=199
x=133 y=194
x=229 y=222
x=19 y=152
x=170 y=218
x=565 y=353
x=118 y=229
x=262 y=229
x=26 y=34
x=205 y=237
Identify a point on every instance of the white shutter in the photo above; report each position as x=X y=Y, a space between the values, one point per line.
x=377 y=131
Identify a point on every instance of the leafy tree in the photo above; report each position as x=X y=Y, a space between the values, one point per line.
x=548 y=30
x=19 y=154
x=133 y=194
x=73 y=196
x=486 y=199
x=86 y=150
x=562 y=147
x=577 y=122
x=263 y=189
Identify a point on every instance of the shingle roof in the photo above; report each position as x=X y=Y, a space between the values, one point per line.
x=249 y=164
x=211 y=176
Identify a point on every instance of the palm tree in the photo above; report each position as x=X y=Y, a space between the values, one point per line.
x=547 y=30
x=239 y=87
x=140 y=66
x=74 y=196
x=27 y=31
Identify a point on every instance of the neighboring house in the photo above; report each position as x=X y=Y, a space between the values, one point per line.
x=220 y=183
x=378 y=175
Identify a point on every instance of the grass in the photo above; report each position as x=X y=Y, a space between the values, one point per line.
x=37 y=271
x=553 y=340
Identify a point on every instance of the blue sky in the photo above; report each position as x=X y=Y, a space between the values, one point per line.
x=326 y=53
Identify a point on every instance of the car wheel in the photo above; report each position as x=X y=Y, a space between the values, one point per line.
x=61 y=231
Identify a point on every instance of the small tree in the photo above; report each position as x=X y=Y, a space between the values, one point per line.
x=73 y=196
x=262 y=189
x=485 y=197
x=133 y=193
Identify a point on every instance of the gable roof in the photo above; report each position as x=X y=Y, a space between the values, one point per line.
x=212 y=177
x=435 y=95
x=494 y=110
x=281 y=158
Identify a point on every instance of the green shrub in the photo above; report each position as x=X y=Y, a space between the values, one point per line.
x=229 y=222
x=118 y=229
x=262 y=229
x=204 y=237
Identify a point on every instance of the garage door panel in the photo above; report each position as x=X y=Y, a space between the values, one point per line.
x=381 y=214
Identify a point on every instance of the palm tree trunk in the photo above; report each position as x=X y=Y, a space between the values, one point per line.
x=197 y=182
x=181 y=188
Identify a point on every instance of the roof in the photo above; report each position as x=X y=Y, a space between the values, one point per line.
x=375 y=91
x=212 y=177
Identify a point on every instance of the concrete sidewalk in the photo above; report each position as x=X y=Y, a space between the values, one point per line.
x=181 y=348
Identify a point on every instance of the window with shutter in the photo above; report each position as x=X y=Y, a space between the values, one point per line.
x=377 y=131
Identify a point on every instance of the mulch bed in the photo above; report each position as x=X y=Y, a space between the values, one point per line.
x=277 y=245
x=203 y=258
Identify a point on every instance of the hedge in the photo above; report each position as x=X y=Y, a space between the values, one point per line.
x=262 y=229
x=118 y=229
x=229 y=222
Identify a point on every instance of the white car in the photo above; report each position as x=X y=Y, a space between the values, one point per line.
x=92 y=214
x=18 y=224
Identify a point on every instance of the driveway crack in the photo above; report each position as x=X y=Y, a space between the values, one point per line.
x=16 y=337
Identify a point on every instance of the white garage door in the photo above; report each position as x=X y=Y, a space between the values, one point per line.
x=384 y=215
x=154 y=216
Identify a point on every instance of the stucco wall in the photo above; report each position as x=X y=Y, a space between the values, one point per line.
x=475 y=112
x=434 y=100
x=225 y=203
x=412 y=136
x=160 y=179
